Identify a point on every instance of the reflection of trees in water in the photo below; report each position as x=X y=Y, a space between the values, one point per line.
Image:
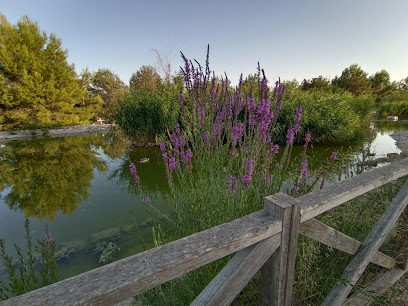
x=152 y=175
x=51 y=174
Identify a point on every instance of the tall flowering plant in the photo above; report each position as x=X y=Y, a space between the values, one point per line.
x=221 y=159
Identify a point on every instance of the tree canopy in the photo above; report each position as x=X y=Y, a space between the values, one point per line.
x=37 y=85
x=110 y=88
x=145 y=78
x=353 y=79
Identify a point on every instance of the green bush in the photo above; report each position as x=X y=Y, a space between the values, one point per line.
x=328 y=116
x=394 y=108
x=145 y=115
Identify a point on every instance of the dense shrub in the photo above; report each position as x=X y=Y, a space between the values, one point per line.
x=328 y=116
x=399 y=107
x=144 y=115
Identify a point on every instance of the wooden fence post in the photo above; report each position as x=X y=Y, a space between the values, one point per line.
x=277 y=274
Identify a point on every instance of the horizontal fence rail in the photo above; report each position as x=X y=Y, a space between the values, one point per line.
x=265 y=239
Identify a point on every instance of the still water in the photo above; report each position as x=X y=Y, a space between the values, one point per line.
x=81 y=187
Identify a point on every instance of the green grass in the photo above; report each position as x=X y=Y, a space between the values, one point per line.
x=318 y=267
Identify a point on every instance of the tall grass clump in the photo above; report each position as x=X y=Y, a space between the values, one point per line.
x=25 y=277
x=223 y=158
x=145 y=115
x=330 y=117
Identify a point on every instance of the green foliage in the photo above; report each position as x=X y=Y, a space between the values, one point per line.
x=328 y=116
x=49 y=175
x=393 y=108
x=319 y=83
x=107 y=85
x=146 y=78
x=394 y=103
x=25 y=279
x=381 y=84
x=145 y=114
x=353 y=79
x=37 y=86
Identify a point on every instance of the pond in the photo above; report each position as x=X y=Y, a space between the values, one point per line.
x=82 y=189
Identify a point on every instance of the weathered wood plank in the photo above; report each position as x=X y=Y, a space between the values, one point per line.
x=273 y=272
x=377 y=288
x=223 y=289
x=327 y=235
x=292 y=247
x=366 y=253
x=130 y=276
x=315 y=203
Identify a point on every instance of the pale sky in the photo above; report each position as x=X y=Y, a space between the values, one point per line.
x=290 y=39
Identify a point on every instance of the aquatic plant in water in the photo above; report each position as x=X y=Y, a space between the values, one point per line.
x=26 y=278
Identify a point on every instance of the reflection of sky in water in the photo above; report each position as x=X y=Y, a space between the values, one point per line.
x=383 y=144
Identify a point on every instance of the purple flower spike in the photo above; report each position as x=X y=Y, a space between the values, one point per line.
x=296 y=191
x=237 y=133
x=233 y=183
x=322 y=184
x=334 y=155
x=304 y=172
x=290 y=137
x=147 y=200
x=308 y=137
x=133 y=172
x=172 y=163
x=48 y=238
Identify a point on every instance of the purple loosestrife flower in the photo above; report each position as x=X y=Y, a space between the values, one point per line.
x=147 y=200
x=163 y=150
x=304 y=172
x=174 y=140
x=246 y=180
x=202 y=116
x=290 y=136
x=277 y=165
x=334 y=155
x=296 y=191
x=233 y=183
x=172 y=164
x=322 y=184
x=308 y=138
x=181 y=141
x=237 y=133
x=298 y=115
x=274 y=148
x=251 y=104
x=177 y=128
x=206 y=134
x=133 y=172
x=48 y=238
x=250 y=166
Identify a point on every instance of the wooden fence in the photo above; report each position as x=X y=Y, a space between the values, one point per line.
x=265 y=240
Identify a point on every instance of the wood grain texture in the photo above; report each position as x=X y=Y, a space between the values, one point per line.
x=292 y=247
x=366 y=253
x=315 y=203
x=377 y=288
x=273 y=272
x=327 y=235
x=223 y=289
x=130 y=276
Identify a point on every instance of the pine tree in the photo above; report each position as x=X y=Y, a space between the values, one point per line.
x=37 y=85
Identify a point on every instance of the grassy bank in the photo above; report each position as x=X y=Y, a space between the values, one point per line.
x=318 y=267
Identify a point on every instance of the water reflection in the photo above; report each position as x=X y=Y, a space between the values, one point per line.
x=41 y=177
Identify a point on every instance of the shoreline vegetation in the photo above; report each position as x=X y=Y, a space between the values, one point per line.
x=56 y=132
x=219 y=143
